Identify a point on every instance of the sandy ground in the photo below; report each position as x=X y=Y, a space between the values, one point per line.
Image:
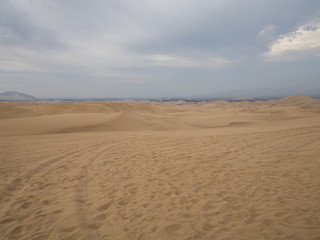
x=174 y=170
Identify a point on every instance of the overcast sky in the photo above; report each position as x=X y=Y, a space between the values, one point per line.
x=160 y=48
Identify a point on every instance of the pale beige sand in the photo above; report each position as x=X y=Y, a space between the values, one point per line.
x=160 y=171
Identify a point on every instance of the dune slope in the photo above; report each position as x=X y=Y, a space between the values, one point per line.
x=160 y=171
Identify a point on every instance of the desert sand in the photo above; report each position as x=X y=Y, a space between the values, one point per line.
x=174 y=170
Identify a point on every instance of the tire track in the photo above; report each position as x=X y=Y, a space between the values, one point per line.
x=23 y=195
x=25 y=178
x=83 y=197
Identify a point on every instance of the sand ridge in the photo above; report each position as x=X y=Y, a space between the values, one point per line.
x=34 y=118
x=241 y=170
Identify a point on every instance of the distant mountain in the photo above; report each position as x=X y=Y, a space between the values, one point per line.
x=16 y=96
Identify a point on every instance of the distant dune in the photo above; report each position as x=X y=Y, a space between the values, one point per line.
x=29 y=118
x=13 y=110
x=296 y=100
x=36 y=118
x=173 y=170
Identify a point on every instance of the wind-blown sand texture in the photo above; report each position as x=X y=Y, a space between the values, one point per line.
x=176 y=170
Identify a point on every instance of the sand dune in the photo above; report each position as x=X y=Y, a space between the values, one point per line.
x=51 y=123
x=296 y=100
x=175 y=170
x=90 y=117
x=14 y=110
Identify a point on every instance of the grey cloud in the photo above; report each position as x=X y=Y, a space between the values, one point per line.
x=177 y=46
x=175 y=26
x=17 y=29
x=235 y=26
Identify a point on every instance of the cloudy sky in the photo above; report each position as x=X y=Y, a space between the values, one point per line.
x=160 y=48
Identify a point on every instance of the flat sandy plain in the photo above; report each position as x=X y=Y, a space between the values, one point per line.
x=175 y=170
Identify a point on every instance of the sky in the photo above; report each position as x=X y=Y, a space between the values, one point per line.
x=160 y=48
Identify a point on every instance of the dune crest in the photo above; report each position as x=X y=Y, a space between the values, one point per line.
x=14 y=110
x=297 y=100
x=34 y=118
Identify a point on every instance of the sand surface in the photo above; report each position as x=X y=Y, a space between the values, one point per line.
x=175 y=170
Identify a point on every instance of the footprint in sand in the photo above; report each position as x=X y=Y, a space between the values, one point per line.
x=69 y=229
x=101 y=217
x=172 y=229
x=104 y=207
x=17 y=231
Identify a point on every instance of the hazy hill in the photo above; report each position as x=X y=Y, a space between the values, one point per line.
x=16 y=96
